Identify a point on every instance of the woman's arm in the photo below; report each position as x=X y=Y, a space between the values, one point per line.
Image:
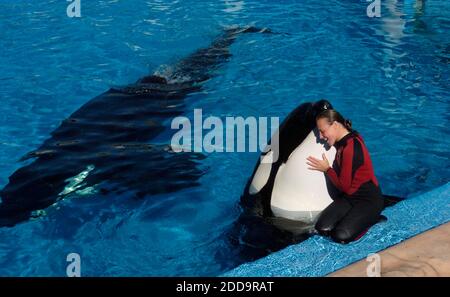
x=351 y=160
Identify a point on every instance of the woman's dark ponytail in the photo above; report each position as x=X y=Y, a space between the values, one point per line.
x=348 y=124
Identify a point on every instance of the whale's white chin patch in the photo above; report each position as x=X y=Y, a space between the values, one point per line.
x=298 y=192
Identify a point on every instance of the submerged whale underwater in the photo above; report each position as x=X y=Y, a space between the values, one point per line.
x=110 y=137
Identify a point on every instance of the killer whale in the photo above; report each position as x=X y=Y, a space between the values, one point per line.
x=107 y=141
x=257 y=231
x=294 y=130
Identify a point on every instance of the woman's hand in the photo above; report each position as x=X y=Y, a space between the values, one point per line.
x=319 y=165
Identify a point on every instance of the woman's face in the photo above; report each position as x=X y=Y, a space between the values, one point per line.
x=327 y=131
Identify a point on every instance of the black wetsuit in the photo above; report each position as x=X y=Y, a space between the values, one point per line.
x=360 y=201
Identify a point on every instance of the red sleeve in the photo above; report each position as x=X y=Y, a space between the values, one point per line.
x=344 y=181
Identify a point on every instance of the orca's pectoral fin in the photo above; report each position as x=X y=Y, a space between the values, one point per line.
x=391 y=200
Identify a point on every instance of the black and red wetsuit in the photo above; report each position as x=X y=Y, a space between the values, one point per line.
x=360 y=201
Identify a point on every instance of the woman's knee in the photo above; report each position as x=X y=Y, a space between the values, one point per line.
x=330 y=217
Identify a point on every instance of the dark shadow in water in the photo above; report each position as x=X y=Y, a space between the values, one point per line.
x=106 y=141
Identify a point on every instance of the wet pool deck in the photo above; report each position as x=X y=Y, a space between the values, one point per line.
x=427 y=254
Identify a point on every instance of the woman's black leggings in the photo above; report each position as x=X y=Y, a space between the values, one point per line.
x=349 y=216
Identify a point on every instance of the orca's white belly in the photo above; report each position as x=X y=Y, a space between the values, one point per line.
x=298 y=192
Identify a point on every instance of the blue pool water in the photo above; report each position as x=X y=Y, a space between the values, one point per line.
x=390 y=75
